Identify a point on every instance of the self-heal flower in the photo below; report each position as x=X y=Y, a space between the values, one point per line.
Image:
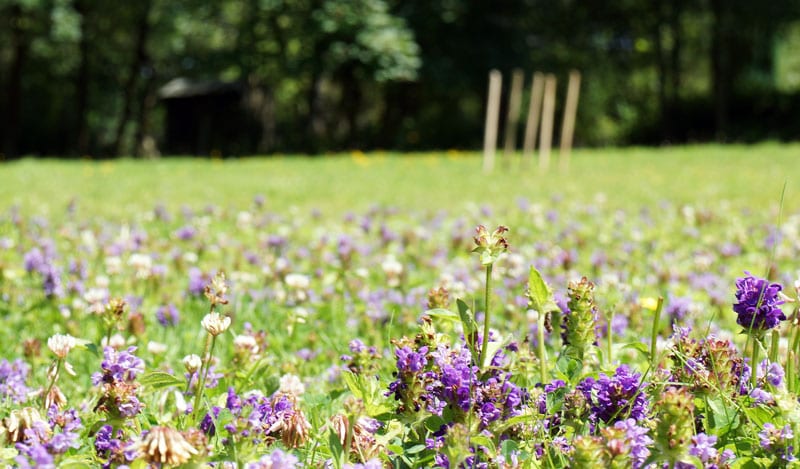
x=490 y=246
x=758 y=303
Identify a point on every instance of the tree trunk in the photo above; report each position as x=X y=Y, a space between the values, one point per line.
x=144 y=144
x=82 y=82
x=19 y=48
x=720 y=68
x=139 y=60
x=662 y=70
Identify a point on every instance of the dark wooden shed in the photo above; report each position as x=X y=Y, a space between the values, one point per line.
x=208 y=117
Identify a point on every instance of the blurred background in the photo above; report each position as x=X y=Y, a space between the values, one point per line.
x=103 y=78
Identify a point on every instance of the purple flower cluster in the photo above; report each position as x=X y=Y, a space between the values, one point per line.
x=117 y=380
x=275 y=460
x=113 y=448
x=702 y=447
x=42 y=261
x=615 y=398
x=46 y=440
x=259 y=419
x=758 y=303
x=448 y=384
x=12 y=380
x=168 y=315
x=778 y=442
x=637 y=440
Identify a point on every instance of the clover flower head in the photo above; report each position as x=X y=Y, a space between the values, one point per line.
x=216 y=323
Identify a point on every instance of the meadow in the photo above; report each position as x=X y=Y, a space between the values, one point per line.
x=389 y=310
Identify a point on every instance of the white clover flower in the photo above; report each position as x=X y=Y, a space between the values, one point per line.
x=156 y=348
x=297 y=281
x=291 y=384
x=142 y=264
x=61 y=344
x=216 y=323
x=113 y=265
x=192 y=363
x=245 y=343
x=116 y=341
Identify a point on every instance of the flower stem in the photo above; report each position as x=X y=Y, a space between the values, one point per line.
x=487 y=295
x=754 y=362
x=542 y=351
x=52 y=383
x=654 y=332
x=201 y=378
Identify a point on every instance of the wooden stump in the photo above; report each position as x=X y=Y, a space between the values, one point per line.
x=492 y=117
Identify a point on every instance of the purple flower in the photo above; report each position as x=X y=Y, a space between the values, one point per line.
x=615 y=398
x=168 y=315
x=409 y=361
x=275 y=460
x=118 y=367
x=703 y=447
x=638 y=439
x=777 y=442
x=758 y=302
x=12 y=380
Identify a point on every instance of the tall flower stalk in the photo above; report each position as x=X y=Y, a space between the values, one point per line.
x=214 y=324
x=490 y=247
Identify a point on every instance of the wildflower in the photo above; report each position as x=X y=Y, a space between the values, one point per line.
x=12 y=380
x=490 y=246
x=216 y=323
x=168 y=315
x=758 y=303
x=164 y=445
x=14 y=426
x=616 y=397
x=275 y=460
x=192 y=363
x=61 y=344
x=777 y=442
x=216 y=290
x=291 y=384
x=675 y=423
x=580 y=322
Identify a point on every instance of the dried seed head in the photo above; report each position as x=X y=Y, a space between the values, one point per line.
x=216 y=323
x=55 y=397
x=165 y=445
x=217 y=289
x=13 y=427
x=296 y=429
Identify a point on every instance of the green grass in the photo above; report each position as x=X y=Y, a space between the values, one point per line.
x=746 y=175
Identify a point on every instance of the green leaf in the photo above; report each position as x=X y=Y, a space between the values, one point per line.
x=541 y=297
x=485 y=441
x=639 y=347
x=354 y=384
x=467 y=318
x=443 y=315
x=160 y=379
x=75 y=462
x=722 y=418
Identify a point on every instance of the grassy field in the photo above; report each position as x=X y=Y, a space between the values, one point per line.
x=341 y=322
x=751 y=175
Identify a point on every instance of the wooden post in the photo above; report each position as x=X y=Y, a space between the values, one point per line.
x=548 y=111
x=534 y=111
x=512 y=118
x=492 y=117
x=568 y=125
